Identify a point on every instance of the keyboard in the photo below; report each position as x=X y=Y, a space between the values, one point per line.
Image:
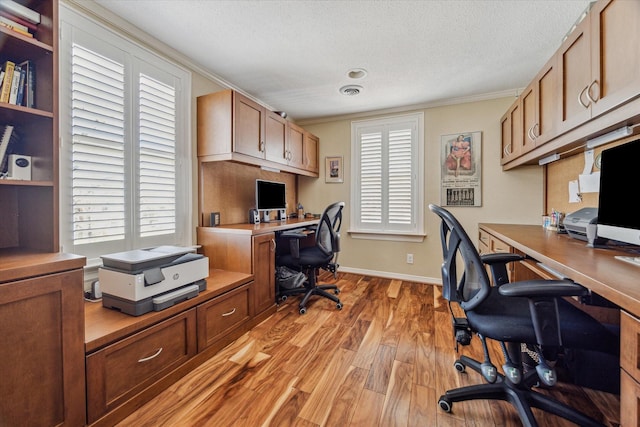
x=635 y=260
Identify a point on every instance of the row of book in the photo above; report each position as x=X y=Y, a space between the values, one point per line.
x=8 y=139
x=19 y=18
x=18 y=83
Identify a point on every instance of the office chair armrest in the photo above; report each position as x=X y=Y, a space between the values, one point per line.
x=500 y=258
x=498 y=265
x=543 y=288
x=294 y=238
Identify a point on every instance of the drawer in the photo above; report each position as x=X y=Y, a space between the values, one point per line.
x=484 y=242
x=498 y=246
x=629 y=400
x=121 y=370
x=222 y=314
x=630 y=348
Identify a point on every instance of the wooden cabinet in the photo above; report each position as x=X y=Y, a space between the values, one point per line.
x=222 y=314
x=295 y=146
x=233 y=127
x=512 y=137
x=121 y=370
x=30 y=208
x=310 y=154
x=599 y=62
x=589 y=86
x=42 y=342
x=630 y=370
x=131 y=359
x=264 y=274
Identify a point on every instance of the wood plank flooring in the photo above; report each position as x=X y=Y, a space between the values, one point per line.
x=383 y=360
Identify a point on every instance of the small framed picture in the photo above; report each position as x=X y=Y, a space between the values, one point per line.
x=333 y=169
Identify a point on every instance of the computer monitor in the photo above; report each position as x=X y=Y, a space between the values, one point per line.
x=618 y=218
x=270 y=195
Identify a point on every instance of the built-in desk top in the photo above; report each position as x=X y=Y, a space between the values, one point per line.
x=264 y=227
x=594 y=268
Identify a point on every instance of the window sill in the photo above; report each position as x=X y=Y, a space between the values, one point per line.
x=390 y=236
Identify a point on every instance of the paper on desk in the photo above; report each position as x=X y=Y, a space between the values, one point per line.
x=574 y=192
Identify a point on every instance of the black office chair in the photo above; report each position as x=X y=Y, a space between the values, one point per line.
x=309 y=260
x=532 y=313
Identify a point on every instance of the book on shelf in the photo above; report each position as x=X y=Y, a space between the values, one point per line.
x=20 y=11
x=29 y=85
x=7 y=80
x=15 y=85
x=8 y=139
x=21 y=85
x=18 y=28
x=23 y=22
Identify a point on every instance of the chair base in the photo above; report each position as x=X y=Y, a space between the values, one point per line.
x=310 y=289
x=521 y=396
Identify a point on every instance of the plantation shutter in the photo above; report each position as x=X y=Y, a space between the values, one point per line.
x=98 y=153
x=157 y=165
x=387 y=176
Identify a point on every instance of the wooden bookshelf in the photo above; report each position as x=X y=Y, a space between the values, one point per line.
x=30 y=217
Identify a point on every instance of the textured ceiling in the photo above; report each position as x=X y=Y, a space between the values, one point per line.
x=295 y=55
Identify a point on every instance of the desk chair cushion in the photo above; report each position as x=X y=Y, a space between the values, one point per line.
x=312 y=256
x=509 y=319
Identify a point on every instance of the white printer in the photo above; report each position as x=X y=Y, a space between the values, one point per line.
x=139 y=281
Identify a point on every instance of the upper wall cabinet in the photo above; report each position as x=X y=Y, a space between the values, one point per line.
x=580 y=90
x=233 y=127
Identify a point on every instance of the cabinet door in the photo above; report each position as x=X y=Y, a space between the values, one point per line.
x=529 y=105
x=615 y=31
x=295 y=147
x=548 y=103
x=574 y=59
x=512 y=133
x=42 y=351
x=311 y=144
x=264 y=275
x=248 y=126
x=275 y=138
x=218 y=317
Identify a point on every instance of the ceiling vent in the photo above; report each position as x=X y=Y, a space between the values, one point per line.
x=351 y=90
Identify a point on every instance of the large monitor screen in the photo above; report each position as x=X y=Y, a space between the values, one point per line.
x=618 y=218
x=270 y=195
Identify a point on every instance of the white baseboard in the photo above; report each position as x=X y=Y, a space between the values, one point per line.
x=389 y=275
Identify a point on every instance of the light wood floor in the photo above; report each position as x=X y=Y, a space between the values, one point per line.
x=383 y=360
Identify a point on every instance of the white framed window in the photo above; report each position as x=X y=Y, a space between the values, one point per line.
x=387 y=178
x=125 y=156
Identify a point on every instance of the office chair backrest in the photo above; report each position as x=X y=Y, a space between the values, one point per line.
x=474 y=285
x=328 y=229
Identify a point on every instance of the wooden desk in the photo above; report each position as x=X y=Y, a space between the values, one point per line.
x=594 y=268
x=598 y=270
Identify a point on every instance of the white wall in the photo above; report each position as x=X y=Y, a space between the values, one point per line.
x=509 y=197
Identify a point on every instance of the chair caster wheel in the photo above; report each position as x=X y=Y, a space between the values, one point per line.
x=303 y=310
x=459 y=366
x=339 y=306
x=445 y=404
x=283 y=298
x=337 y=291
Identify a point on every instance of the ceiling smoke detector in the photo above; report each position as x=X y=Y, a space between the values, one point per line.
x=351 y=90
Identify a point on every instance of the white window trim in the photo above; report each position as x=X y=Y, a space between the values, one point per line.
x=184 y=188
x=418 y=234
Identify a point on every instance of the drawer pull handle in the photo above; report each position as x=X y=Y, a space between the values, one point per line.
x=153 y=356
x=229 y=313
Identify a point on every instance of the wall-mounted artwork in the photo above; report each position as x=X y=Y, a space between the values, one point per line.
x=333 y=169
x=461 y=164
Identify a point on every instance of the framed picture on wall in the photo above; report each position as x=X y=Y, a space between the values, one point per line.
x=460 y=166
x=333 y=169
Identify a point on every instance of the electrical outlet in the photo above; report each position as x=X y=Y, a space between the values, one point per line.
x=409 y=258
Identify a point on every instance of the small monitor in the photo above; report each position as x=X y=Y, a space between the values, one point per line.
x=270 y=196
x=618 y=218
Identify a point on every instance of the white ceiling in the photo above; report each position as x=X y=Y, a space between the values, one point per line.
x=295 y=55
